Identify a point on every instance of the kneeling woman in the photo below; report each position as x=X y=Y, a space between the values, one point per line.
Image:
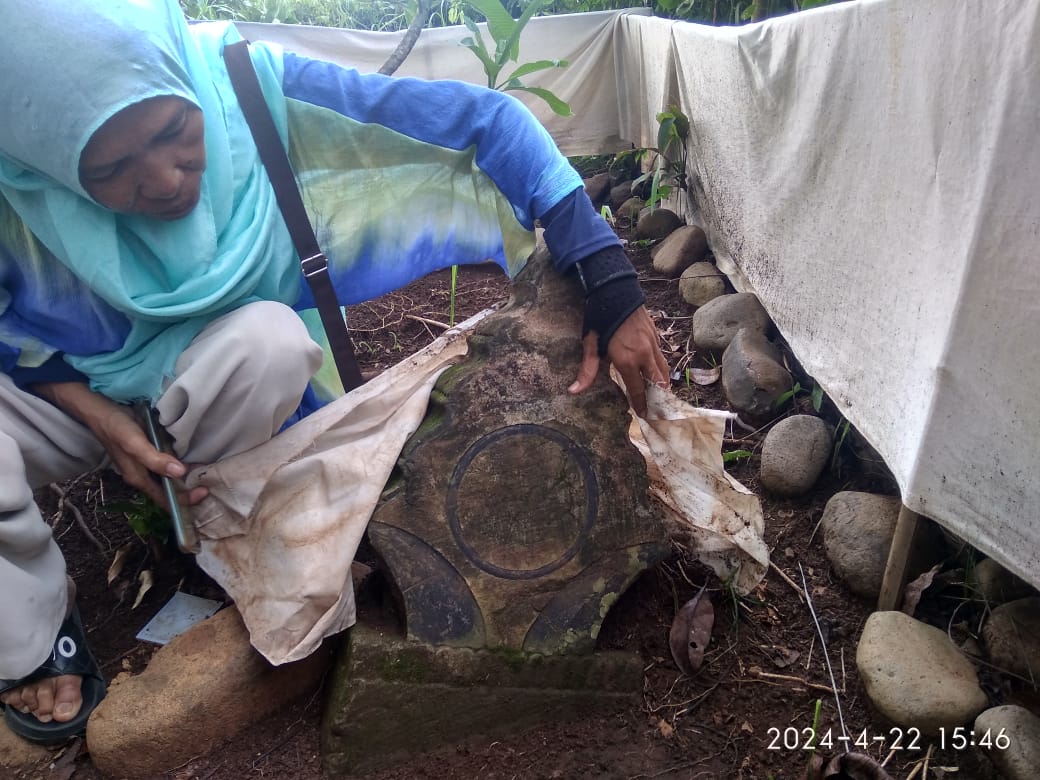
x=143 y=257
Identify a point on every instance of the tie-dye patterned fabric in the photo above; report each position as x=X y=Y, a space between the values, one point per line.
x=400 y=176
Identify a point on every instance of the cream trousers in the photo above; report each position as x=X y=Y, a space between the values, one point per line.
x=232 y=389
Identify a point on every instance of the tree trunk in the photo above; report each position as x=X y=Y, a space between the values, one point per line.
x=393 y=62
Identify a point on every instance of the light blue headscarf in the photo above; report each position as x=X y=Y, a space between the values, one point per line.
x=68 y=66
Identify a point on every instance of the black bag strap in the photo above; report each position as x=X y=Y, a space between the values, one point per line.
x=276 y=162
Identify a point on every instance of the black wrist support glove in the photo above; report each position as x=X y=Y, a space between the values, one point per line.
x=612 y=292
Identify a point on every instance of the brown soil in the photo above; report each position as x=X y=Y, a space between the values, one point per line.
x=763 y=673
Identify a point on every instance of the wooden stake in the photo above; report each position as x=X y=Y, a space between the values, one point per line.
x=897 y=568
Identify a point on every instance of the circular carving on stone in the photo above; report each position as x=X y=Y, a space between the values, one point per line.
x=521 y=501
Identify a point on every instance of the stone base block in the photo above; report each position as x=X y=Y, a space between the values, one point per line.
x=392 y=699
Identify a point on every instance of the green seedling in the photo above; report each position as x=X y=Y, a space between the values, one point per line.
x=840 y=433
x=451 y=296
x=815 y=396
x=669 y=165
x=145 y=517
x=505 y=33
x=815 y=729
x=782 y=400
x=734 y=456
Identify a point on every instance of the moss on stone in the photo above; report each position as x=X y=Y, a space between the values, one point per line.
x=406 y=667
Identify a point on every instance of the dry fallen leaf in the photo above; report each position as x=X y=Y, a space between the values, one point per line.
x=116 y=567
x=666 y=728
x=854 y=766
x=914 y=591
x=815 y=769
x=783 y=657
x=747 y=728
x=705 y=376
x=691 y=632
x=63 y=767
x=145 y=578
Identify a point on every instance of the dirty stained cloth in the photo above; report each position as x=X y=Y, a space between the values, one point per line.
x=282 y=522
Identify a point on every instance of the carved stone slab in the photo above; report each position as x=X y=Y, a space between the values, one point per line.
x=519 y=513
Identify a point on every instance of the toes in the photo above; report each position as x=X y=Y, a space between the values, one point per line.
x=67 y=697
x=21 y=699
x=55 y=698
x=44 y=701
x=29 y=698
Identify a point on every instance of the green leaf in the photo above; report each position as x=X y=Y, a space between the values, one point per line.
x=817 y=397
x=534 y=67
x=500 y=23
x=785 y=397
x=476 y=45
x=557 y=105
x=664 y=132
x=144 y=516
x=511 y=47
x=807 y=4
x=735 y=455
x=655 y=189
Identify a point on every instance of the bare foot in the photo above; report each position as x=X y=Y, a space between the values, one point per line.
x=53 y=698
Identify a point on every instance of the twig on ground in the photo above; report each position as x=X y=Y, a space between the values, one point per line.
x=891 y=753
x=654 y=710
x=800 y=680
x=808 y=658
x=669 y=770
x=63 y=503
x=826 y=657
x=695 y=701
x=682 y=572
x=788 y=580
x=427 y=321
x=922 y=765
x=815 y=529
x=755 y=431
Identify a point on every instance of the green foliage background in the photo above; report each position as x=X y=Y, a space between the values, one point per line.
x=392 y=15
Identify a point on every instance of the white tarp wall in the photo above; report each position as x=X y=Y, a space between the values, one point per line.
x=872 y=171
x=589 y=83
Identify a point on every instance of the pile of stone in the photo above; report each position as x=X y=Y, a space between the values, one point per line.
x=916 y=676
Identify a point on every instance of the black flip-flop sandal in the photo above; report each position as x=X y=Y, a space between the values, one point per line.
x=70 y=655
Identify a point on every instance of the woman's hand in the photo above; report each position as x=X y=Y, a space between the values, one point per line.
x=119 y=432
x=635 y=352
